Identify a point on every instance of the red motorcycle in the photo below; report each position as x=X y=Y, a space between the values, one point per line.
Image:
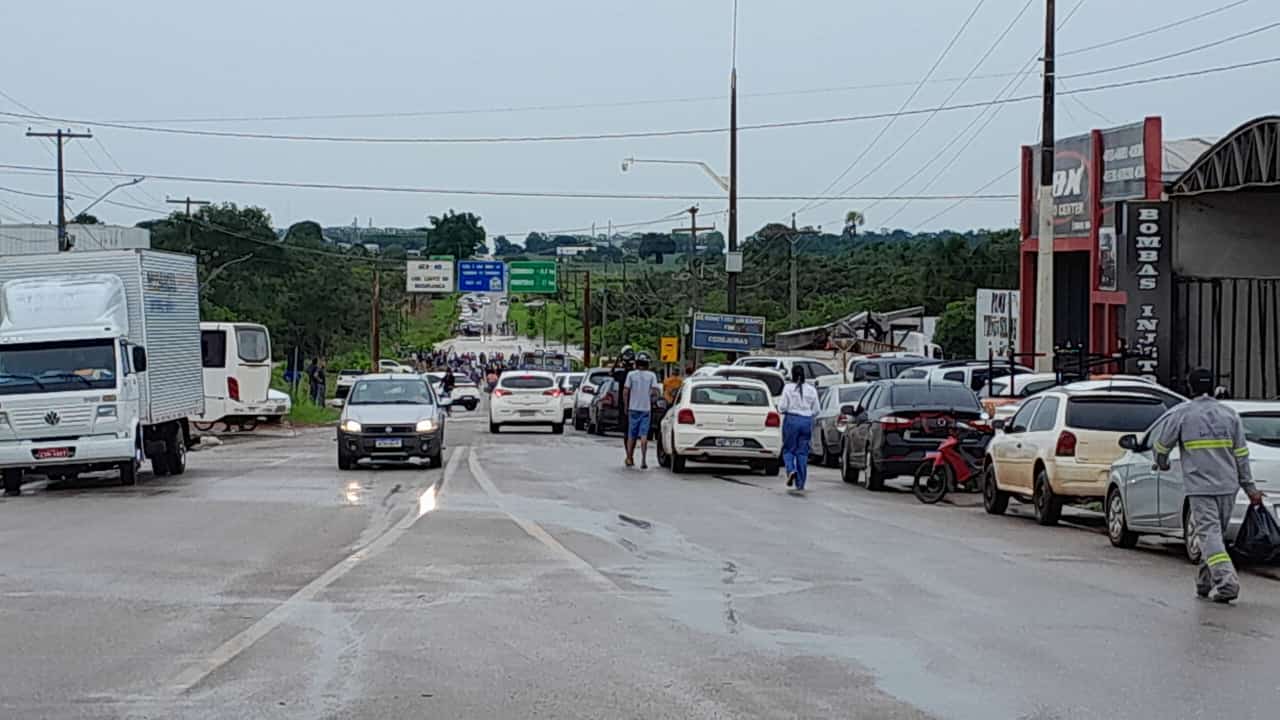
x=944 y=470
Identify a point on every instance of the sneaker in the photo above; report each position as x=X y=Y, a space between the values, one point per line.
x=791 y=479
x=1203 y=594
x=1222 y=596
x=644 y=464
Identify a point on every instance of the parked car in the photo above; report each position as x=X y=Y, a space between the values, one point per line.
x=466 y=394
x=582 y=396
x=870 y=368
x=1060 y=445
x=813 y=369
x=391 y=417
x=1142 y=500
x=829 y=424
x=568 y=384
x=346 y=378
x=1002 y=395
x=707 y=370
x=604 y=413
x=526 y=397
x=722 y=421
x=394 y=367
x=774 y=379
x=974 y=374
x=897 y=422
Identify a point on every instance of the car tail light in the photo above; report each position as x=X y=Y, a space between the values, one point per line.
x=1066 y=444
x=499 y=392
x=233 y=389
x=981 y=426
x=842 y=422
x=685 y=417
x=773 y=419
x=607 y=400
x=894 y=422
x=552 y=393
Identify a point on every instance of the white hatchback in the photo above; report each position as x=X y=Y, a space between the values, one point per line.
x=526 y=397
x=723 y=421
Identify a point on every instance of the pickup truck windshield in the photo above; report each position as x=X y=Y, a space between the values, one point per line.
x=57 y=367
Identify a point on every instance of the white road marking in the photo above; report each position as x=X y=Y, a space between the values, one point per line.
x=246 y=638
x=535 y=531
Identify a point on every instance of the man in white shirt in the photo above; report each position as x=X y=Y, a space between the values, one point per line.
x=638 y=392
x=798 y=405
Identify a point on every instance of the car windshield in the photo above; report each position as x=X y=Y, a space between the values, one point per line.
x=571 y=382
x=728 y=395
x=773 y=380
x=1113 y=414
x=527 y=382
x=849 y=395
x=1262 y=428
x=57 y=367
x=390 y=392
x=934 y=395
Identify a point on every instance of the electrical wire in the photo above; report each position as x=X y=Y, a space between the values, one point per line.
x=1153 y=31
x=958 y=203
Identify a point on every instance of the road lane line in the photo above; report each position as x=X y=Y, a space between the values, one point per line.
x=535 y=531
x=245 y=639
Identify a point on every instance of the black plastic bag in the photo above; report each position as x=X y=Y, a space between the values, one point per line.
x=1259 y=538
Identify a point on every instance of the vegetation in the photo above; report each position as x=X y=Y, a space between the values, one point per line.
x=956 y=329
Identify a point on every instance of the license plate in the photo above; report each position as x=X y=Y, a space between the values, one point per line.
x=386 y=443
x=527 y=413
x=731 y=442
x=52 y=453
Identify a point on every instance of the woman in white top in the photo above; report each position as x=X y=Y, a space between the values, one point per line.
x=798 y=405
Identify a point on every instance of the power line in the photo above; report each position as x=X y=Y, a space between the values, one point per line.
x=1178 y=54
x=15 y=191
x=1153 y=31
x=470 y=192
x=958 y=203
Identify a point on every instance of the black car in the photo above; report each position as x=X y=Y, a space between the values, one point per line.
x=585 y=394
x=605 y=414
x=897 y=422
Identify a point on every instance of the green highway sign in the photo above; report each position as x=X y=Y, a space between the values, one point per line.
x=531 y=276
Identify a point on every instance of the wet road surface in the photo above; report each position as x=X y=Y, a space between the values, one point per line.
x=534 y=576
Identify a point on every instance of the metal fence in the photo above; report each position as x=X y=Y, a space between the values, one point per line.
x=1232 y=327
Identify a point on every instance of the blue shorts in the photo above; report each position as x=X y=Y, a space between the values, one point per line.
x=637 y=424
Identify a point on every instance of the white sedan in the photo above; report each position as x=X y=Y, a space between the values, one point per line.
x=722 y=421
x=526 y=397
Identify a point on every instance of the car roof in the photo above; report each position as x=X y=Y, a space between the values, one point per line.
x=717 y=380
x=1243 y=406
x=534 y=373
x=1117 y=384
x=744 y=369
x=390 y=376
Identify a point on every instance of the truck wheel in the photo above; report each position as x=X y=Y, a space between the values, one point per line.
x=177 y=452
x=129 y=472
x=13 y=482
x=160 y=464
x=1047 y=505
x=557 y=428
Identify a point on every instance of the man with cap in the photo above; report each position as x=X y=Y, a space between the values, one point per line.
x=1215 y=466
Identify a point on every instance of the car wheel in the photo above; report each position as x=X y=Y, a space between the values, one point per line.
x=344 y=461
x=994 y=500
x=1117 y=524
x=848 y=472
x=677 y=462
x=436 y=459
x=664 y=460
x=1190 y=540
x=1047 y=505
x=772 y=468
x=875 y=481
x=578 y=424
x=493 y=427
x=829 y=459
x=557 y=428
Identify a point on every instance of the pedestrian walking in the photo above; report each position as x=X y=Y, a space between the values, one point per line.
x=798 y=405
x=1215 y=466
x=638 y=391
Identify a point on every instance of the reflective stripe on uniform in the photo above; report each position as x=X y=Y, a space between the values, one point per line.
x=1160 y=447
x=1242 y=452
x=1208 y=444
x=1217 y=559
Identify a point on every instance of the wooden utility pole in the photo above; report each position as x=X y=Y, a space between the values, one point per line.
x=375 y=324
x=1044 y=310
x=695 y=288
x=187 y=202
x=586 y=321
x=59 y=136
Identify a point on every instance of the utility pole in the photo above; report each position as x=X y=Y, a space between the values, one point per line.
x=791 y=243
x=1044 y=252
x=188 y=202
x=695 y=288
x=604 y=315
x=623 y=300
x=376 y=330
x=733 y=184
x=586 y=321
x=59 y=136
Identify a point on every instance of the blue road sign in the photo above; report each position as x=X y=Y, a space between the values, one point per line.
x=481 y=276
x=730 y=333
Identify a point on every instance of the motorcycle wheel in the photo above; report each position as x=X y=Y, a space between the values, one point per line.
x=931 y=483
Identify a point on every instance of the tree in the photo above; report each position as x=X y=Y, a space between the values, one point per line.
x=852 y=221
x=456 y=234
x=502 y=247
x=657 y=245
x=85 y=219
x=956 y=329
x=536 y=242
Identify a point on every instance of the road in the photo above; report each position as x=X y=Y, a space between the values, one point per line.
x=495 y=314
x=535 y=576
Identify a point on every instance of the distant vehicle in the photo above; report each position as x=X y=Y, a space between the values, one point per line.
x=583 y=395
x=99 y=363
x=568 y=384
x=549 y=360
x=830 y=424
x=707 y=370
x=722 y=421
x=237 y=375
x=773 y=379
x=898 y=422
x=973 y=374
x=605 y=412
x=1060 y=446
x=884 y=367
x=281 y=405
x=394 y=367
x=346 y=378
x=527 y=397
x=391 y=417
x=1144 y=501
x=466 y=394
x=1001 y=401
x=784 y=363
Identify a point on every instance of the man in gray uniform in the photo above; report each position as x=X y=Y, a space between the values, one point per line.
x=1215 y=465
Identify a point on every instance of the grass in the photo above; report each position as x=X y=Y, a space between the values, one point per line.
x=561 y=325
x=305 y=413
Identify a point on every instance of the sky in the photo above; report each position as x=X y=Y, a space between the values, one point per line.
x=475 y=69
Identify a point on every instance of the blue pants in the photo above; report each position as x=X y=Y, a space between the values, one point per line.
x=796 y=432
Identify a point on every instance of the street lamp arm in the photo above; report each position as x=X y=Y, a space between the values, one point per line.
x=720 y=180
x=104 y=195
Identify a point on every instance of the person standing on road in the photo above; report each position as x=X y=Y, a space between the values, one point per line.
x=798 y=405
x=1215 y=466
x=638 y=392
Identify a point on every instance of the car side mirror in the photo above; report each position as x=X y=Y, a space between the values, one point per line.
x=138 y=358
x=999 y=424
x=1129 y=442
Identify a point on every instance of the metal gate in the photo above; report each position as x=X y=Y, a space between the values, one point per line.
x=1232 y=327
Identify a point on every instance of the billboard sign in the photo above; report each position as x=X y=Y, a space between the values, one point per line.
x=532 y=276
x=1072 y=187
x=1124 y=163
x=429 y=276
x=481 y=276
x=997 y=323
x=1148 y=282
x=730 y=333
x=669 y=349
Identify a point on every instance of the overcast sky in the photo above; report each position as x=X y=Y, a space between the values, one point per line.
x=146 y=60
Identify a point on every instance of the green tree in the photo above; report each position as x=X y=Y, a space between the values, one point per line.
x=656 y=245
x=458 y=234
x=852 y=221
x=502 y=247
x=956 y=329
x=85 y=219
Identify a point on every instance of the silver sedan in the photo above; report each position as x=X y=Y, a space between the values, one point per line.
x=828 y=431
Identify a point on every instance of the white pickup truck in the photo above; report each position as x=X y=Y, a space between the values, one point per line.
x=99 y=363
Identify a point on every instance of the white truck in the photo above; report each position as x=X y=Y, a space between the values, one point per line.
x=99 y=363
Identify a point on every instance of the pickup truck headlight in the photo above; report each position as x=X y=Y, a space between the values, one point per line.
x=351 y=426
x=426 y=426
x=107 y=411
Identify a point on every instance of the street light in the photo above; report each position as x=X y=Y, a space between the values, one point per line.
x=104 y=195
x=720 y=180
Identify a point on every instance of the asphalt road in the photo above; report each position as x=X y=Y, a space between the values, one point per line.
x=535 y=576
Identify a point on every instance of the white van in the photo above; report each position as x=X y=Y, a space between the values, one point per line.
x=237 y=375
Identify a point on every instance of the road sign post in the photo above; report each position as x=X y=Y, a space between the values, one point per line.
x=481 y=276
x=532 y=276
x=670 y=349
